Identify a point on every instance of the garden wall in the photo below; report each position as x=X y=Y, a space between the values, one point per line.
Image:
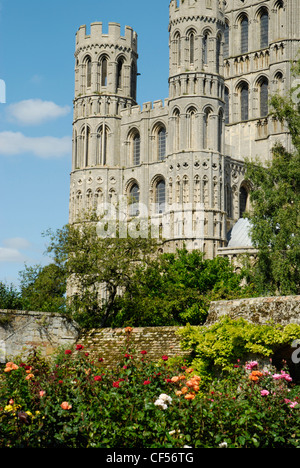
x=261 y=310
x=20 y=331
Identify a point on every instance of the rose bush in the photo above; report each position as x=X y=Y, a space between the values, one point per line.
x=76 y=402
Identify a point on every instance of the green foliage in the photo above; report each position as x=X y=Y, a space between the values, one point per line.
x=43 y=288
x=274 y=217
x=74 y=402
x=10 y=297
x=225 y=342
x=175 y=289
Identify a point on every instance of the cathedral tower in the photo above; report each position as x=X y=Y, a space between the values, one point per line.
x=105 y=83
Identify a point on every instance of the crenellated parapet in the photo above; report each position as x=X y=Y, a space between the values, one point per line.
x=106 y=63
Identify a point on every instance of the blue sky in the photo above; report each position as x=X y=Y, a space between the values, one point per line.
x=37 y=40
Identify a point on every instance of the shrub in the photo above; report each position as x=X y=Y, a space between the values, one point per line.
x=75 y=402
x=221 y=344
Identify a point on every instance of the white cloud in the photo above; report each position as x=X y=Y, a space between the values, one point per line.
x=35 y=111
x=11 y=255
x=14 y=143
x=17 y=243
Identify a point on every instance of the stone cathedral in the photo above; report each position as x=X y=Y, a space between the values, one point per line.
x=181 y=162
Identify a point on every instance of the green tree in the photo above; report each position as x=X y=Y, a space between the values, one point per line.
x=43 y=288
x=274 y=218
x=10 y=297
x=99 y=269
x=177 y=288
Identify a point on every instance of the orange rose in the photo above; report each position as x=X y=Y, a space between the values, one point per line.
x=29 y=376
x=174 y=379
x=184 y=390
x=189 y=396
x=178 y=392
x=65 y=405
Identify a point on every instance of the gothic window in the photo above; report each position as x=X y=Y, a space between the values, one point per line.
x=160 y=196
x=161 y=143
x=191 y=39
x=120 y=66
x=136 y=149
x=206 y=122
x=103 y=72
x=218 y=54
x=134 y=199
x=279 y=8
x=264 y=29
x=177 y=46
x=244 y=101
x=220 y=131
x=205 y=48
x=191 y=128
x=243 y=200
x=176 y=116
x=226 y=99
x=88 y=72
x=264 y=96
x=226 y=40
x=133 y=75
x=244 y=25
x=102 y=137
x=278 y=79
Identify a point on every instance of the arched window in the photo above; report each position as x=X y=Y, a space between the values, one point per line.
x=160 y=196
x=243 y=200
x=218 y=53
x=161 y=143
x=226 y=99
x=177 y=49
x=120 y=65
x=220 y=131
x=136 y=149
x=103 y=71
x=191 y=130
x=226 y=40
x=244 y=25
x=206 y=119
x=176 y=117
x=244 y=101
x=133 y=75
x=264 y=97
x=264 y=29
x=102 y=137
x=191 y=39
x=205 y=48
x=134 y=199
x=88 y=71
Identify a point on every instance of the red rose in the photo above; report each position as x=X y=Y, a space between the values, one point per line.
x=116 y=384
x=97 y=378
x=78 y=347
x=143 y=352
x=146 y=382
x=68 y=351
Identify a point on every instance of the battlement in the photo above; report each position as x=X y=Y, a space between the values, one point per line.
x=210 y=8
x=113 y=36
x=155 y=107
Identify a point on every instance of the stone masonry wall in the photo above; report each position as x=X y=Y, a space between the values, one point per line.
x=279 y=309
x=21 y=331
